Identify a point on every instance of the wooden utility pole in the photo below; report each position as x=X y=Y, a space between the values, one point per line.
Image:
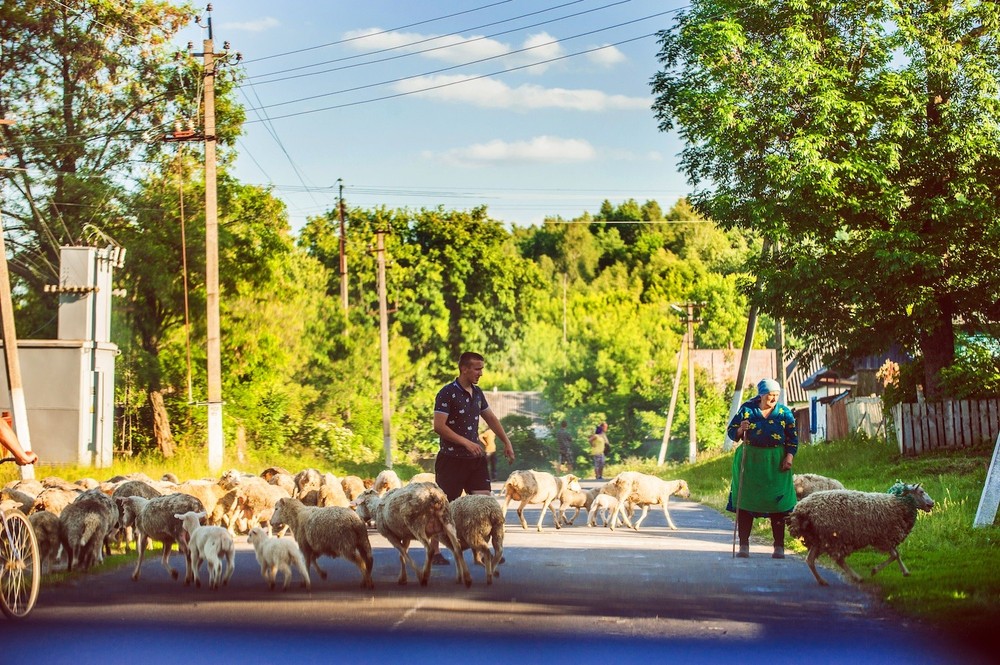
x=343 y=249
x=19 y=417
x=383 y=315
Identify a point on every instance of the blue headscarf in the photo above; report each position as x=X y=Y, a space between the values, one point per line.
x=768 y=386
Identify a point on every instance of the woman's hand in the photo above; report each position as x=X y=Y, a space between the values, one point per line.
x=742 y=429
x=786 y=462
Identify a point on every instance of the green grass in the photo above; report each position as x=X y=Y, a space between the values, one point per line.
x=954 y=582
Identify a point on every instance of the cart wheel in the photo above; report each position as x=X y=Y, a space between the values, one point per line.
x=20 y=573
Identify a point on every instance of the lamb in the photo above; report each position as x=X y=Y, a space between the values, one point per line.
x=529 y=486
x=278 y=555
x=419 y=511
x=478 y=522
x=840 y=522
x=570 y=498
x=213 y=544
x=154 y=520
x=386 y=480
x=640 y=489
x=334 y=531
x=807 y=483
x=353 y=486
x=46 y=527
x=84 y=525
x=606 y=505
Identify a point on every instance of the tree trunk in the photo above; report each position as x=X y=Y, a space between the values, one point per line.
x=938 y=347
x=161 y=424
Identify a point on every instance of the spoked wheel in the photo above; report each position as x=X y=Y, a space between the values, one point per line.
x=20 y=571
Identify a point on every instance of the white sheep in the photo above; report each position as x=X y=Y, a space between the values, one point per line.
x=576 y=499
x=605 y=506
x=807 y=483
x=640 y=489
x=307 y=484
x=334 y=531
x=209 y=492
x=353 y=486
x=423 y=478
x=212 y=544
x=386 y=480
x=55 y=499
x=365 y=504
x=478 y=522
x=419 y=511
x=529 y=486
x=278 y=555
x=154 y=519
x=331 y=492
x=840 y=522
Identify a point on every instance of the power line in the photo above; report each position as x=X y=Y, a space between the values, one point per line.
x=430 y=39
x=382 y=32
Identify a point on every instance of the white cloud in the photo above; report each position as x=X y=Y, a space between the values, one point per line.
x=258 y=25
x=538 y=150
x=491 y=93
x=455 y=49
x=607 y=56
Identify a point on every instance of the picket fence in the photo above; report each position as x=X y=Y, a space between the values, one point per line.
x=954 y=424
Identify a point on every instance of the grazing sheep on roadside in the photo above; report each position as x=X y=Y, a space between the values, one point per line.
x=840 y=522
x=807 y=483
x=579 y=500
x=423 y=478
x=84 y=525
x=419 y=511
x=529 y=486
x=333 y=531
x=479 y=522
x=278 y=555
x=353 y=486
x=386 y=480
x=131 y=488
x=331 y=493
x=212 y=544
x=55 y=499
x=154 y=520
x=46 y=527
x=640 y=489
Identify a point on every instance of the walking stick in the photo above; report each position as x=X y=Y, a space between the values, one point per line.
x=739 y=490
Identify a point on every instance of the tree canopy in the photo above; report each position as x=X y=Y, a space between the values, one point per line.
x=862 y=139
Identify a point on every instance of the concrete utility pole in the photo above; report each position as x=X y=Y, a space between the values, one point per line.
x=741 y=374
x=19 y=419
x=383 y=315
x=343 y=248
x=673 y=403
x=690 y=319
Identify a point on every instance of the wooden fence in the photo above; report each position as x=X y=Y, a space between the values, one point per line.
x=957 y=424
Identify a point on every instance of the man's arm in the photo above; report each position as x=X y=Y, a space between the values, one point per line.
x=9 y=440
x=451 y=436
x=494 y=423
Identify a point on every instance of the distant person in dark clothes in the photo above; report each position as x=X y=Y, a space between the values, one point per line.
x=565 y=441
x=762 y=483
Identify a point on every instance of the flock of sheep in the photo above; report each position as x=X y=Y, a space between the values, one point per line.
x=330 y=516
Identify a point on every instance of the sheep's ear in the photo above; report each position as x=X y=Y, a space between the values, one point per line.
x=178 y=516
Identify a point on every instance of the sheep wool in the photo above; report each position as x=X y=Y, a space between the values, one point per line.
x=840 y=522
x=478 y=522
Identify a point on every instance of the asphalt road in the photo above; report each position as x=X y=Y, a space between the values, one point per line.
x=573 y=595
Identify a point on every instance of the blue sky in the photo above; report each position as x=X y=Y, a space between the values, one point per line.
x=534 y=109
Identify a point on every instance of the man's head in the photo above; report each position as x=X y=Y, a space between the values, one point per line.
x=470 y=367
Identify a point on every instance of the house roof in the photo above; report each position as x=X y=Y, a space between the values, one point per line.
x=826 y=377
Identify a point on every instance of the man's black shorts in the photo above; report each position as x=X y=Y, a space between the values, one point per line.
x=454 y=474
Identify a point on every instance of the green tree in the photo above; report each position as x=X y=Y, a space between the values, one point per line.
x=90 y=84
x=861 y=138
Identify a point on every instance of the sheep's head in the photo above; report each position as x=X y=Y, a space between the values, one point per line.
x=914 y=494
x=682 y=489
x=257 y=535
x=190 y=520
